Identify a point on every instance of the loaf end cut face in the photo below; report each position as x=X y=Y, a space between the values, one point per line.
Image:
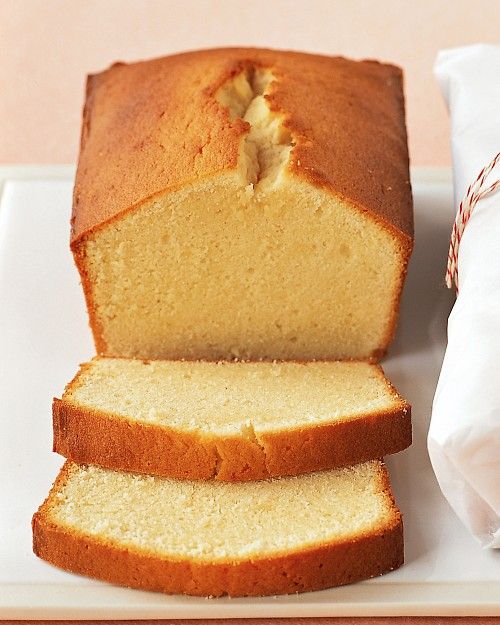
x=243 y=203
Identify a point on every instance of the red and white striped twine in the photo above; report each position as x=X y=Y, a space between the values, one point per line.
x=477 y=191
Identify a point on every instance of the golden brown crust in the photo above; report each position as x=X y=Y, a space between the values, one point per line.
x=110 y=440
x=79 y=253
x=335 y=564
x=156 y=125
x=377 y=355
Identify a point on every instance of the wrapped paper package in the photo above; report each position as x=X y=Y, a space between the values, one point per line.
x=464 y=435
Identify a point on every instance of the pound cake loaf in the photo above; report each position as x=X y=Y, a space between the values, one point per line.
x=243 y=203
x=270 y=537
x=232 y=421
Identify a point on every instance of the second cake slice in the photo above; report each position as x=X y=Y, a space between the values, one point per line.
x=235 y=421
x=210 y=538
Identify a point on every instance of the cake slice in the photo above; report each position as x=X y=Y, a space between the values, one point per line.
x=276 y=536
x=235 y=421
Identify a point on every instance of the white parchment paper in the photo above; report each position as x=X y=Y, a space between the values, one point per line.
x=464 y=435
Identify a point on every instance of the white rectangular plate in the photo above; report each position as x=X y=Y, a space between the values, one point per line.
x=44 y=336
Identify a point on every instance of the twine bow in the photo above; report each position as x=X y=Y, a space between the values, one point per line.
x=476 y=191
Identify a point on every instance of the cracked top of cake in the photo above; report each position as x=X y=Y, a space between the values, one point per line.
x=164 y=124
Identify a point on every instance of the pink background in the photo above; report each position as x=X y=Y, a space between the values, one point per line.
x=47 y=47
